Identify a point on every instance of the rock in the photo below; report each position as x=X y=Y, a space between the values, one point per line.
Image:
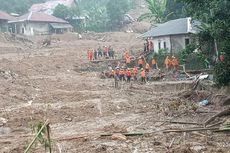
x=118 y=136
x=3 y=120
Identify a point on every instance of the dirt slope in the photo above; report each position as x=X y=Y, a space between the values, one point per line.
x=59 y=84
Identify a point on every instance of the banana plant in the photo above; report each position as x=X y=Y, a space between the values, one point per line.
x=157 y=10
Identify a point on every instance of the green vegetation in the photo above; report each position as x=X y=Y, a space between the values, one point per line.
x=17 y=6
x=102 y=15
x=163 y=10
x=214 y=36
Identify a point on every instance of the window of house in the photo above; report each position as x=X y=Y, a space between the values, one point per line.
x=23 y=30
x=159 y=45
x=187 y=41
x=165 y=45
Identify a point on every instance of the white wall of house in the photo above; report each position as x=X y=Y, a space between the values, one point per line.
x=161 y=43
x=172 y=43
x=36 y=28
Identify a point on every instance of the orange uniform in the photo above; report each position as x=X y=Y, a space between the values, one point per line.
x=167 y=63
x=147 y=67
x=175 y=63
x=127 y=59
x=154 y=63
x=143 y=75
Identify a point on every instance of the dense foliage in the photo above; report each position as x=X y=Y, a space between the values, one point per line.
x=214 y=33
x=102 y=15
x=17 y=6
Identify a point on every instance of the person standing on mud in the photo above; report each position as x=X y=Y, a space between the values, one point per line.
x=135 y=72
x=121 y=75
x=167 y=63
x=99 y=52
x=140 y=62
x=147 y=67
x=128 y=75
x=95 y=54
x=154 y=63
x=143 y=77
x=175 y=64
x=127 y=60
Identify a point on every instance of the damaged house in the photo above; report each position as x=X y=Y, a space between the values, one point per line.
x=4 y=18
x=36 y=23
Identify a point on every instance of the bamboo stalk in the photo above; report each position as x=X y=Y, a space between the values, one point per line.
x=32 y=142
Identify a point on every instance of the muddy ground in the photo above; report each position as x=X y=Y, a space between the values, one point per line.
x=59 y=84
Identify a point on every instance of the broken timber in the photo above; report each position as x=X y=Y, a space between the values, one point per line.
x=222 y=113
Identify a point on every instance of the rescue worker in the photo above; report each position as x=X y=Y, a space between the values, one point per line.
x=222 y=56
x=135 y=72
x=128 y=75
x=117 y=71
x=121 y=75
x=140 y=62
x=90 y=54
x=105 y=52
x=99 y=52
x=147 y=67
x=112 y=74
x=167 y=63
x=127 y=60
x=175 y=64
x=95 y=52
x=154 y=63
x=143 y=77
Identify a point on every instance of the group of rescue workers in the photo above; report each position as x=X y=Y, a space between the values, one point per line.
x=126 y=73
x=100 y=52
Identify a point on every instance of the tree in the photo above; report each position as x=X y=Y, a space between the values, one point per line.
x=116 y=10
x=16 y=6
x=175 y=9
x=157 y=11
x=62 y=11
x=214 y=15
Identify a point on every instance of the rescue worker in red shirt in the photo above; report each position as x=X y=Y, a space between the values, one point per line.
x=147 y=67
x=222 y=56
x=143 y=77
x=90 y=54
x=128 y=75
x=140 y=62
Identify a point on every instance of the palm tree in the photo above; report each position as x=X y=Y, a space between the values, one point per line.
x=157 y=10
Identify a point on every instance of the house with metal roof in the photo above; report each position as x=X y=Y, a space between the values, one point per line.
x=36 y=23
x=4 y=18
x=171 y=36
x=49 y=6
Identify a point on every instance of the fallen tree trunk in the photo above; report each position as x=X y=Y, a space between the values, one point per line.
x=126 y=134
x=222 y=113
x=191 y=130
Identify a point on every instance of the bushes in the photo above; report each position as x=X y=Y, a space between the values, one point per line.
x=222 y=73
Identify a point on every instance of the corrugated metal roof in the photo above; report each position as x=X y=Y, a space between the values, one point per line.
x=50 y=5
x=173 y=27
x=39 y=17
x=5 y=16
x=60 y=25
